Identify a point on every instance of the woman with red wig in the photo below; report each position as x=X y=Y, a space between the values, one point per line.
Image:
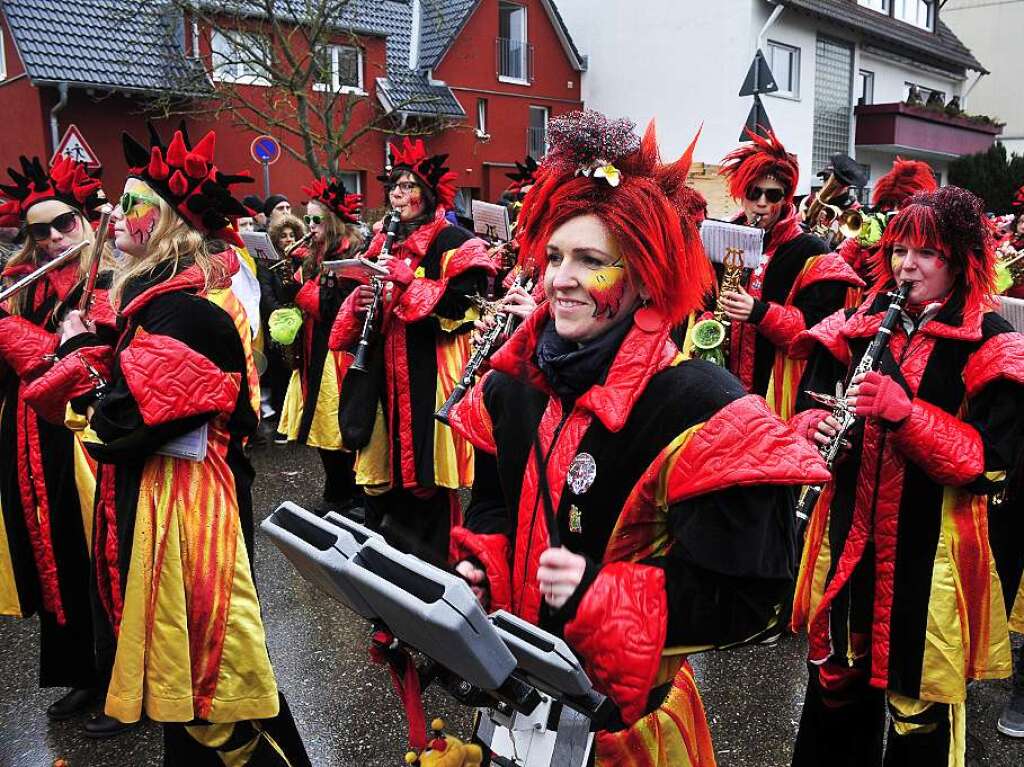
x=595 y=512
x=412 y=464
x=797 y=283
x=907 y=178
x=897 y=588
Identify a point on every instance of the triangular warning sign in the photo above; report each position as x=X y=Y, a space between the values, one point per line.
x=757 y=121
x=759 y=77
x=76 y=147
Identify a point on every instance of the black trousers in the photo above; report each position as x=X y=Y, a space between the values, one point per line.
x=843 y=722
x=412 y=524
x=339 y=475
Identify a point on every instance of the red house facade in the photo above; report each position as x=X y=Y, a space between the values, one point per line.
x=483 y=77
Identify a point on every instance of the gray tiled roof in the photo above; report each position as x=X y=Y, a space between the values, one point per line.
x=106 y=43
x=942 y=47
x=440 y=23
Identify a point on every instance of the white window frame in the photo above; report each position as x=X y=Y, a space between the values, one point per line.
x=335 y=85
x=547 y=119
x=881 y=6
x=357 y=188
x=794 y=70
x=241 y=76
x=866 y=75
x=481 y=118
x=902 y=10
x=525 y=40
x=3 y=58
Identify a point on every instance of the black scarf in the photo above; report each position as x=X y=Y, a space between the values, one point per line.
x=572 y=368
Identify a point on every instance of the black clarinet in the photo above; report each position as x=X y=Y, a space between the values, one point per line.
x=504 y=323
x=841 y=411
x=363 y=350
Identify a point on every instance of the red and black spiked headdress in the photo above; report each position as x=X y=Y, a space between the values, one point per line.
x=189 y=182
x=411 y=157
x=525 y=176
x=331 y=193
x=907 y=177
x=1018 y=199
x=68 y=181
x=763 y=156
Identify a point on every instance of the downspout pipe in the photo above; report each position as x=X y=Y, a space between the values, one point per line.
x=62 y=89
x=769 y=24
x=963 y=98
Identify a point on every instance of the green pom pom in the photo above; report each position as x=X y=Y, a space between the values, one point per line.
x=284 y=325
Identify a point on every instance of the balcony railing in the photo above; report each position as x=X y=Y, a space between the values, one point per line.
x=927 y=132
x=514 y=59
x=537 y=142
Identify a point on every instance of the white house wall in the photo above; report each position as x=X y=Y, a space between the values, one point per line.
x=992 y=30
x=683 y=61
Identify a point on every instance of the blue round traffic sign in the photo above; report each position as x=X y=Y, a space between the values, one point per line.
x=265 y=149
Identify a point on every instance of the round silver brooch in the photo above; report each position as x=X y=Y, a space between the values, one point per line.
x=582 y=473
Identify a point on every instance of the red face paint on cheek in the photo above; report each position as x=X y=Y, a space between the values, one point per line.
x=606 y=287
x=141 y=221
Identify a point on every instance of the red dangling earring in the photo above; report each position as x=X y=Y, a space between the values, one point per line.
x=647 y=318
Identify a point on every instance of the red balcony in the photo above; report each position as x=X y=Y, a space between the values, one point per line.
x=922 y=132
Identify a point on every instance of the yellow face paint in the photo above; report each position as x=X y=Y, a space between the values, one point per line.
x=606 y=286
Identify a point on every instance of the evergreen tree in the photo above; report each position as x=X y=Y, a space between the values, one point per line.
x=991 y=175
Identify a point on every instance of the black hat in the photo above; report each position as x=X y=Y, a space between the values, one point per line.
x=272 y=202
x=253 y=203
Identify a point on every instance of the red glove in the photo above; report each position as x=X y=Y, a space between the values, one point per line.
x=400 y=273
x=879 y=396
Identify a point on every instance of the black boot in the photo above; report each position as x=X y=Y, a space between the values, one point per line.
x=75 y=702
x=1011 y=721
x=101 y=726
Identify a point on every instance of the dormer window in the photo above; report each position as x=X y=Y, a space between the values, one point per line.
x=919 y=13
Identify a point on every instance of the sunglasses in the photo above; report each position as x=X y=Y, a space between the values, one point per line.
x=313 y=219
x=773 y=196
x=65 y=223
x=130 y=199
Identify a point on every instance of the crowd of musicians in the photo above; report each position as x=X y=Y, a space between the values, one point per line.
x=665 y=455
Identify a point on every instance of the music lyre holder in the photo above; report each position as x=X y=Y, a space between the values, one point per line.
x=533 y=694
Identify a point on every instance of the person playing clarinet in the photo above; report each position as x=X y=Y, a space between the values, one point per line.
x=897 y=589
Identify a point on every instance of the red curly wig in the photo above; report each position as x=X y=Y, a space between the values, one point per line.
x=907 y=177
x=764 y=156
x=662 y=250
x=952 y=221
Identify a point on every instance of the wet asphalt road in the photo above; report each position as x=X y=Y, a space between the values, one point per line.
x=345 y=707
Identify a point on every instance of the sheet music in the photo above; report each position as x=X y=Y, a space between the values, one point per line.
x=722 y=238
x=191 y=446
x=260 y=247
x=491 y=220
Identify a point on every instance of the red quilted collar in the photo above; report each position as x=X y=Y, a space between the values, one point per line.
x=190 y=278
x=642 y=354
x=951 y=322
x=417 y=243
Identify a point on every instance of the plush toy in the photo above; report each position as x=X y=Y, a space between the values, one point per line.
x=445 y=751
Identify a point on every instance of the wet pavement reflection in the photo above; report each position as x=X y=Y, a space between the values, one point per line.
x=347 y=711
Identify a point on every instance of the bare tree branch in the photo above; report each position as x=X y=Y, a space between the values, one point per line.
x=274 y=70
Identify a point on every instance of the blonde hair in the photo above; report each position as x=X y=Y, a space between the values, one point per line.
x=173 y=240
x=335 y=231
x=31 y=253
